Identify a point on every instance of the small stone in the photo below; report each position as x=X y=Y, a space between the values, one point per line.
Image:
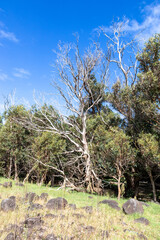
x=7 y=184
x=133 y=206
x=89 y=229
x=111 y=203
x=142 y=237
x=32 y=222
x=142 y=220
x=57 y=203
x=31 y=197
x=19 y=184
x=36 y=233
x=44 y=196
x=35 y=206
x=12 y=198
x=88 y=209
x=18 y=230
x=12 y=236
x=8 y=205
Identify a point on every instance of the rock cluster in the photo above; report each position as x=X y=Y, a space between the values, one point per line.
x=8 y=204
x=34 y=225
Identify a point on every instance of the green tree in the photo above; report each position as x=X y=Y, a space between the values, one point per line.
x=150 y=151
x=121 y=154
x=148 y=88
x=48 y=148
x=15 y=141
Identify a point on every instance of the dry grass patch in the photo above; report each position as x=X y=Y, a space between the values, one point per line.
x=103 y=223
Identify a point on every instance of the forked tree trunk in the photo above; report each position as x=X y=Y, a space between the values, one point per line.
x=86 y=156
x=153 y=185
x=28 y=174
x=64 y=183
x=43 y=178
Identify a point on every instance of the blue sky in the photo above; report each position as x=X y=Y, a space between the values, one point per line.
x=30 y=29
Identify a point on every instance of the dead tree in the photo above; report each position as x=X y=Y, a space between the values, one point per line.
x=122 y=49
x=75 y=92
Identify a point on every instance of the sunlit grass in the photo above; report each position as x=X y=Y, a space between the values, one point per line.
x=103 y=218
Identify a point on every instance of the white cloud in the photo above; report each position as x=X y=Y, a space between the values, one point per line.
x=5 y=34
x=3 y=76
x=149 y=26
x=21 y=73
x=8 y=35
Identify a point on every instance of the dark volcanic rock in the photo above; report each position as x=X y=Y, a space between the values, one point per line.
x=57 y=203
x=34 y=206
x=132 y=206
x=7 y=184
x=12 y=236
x=89 y=229
x=51 y=237
x=142 y=237
x=18 y=230
x=35 y=233
x=88 y=209
x=33 y=221
x=12 y=198
x=19 y=184
x=142 y=220
x=129 y=230
x=31 y=197
x=111 y=203
x=8 y=205
x=44 y=196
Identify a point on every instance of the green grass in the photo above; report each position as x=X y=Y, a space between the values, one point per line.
x=102 y=218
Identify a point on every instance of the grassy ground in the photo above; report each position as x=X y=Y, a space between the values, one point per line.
x=66 y=225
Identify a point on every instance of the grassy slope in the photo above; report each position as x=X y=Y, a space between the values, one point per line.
x=103 y=217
